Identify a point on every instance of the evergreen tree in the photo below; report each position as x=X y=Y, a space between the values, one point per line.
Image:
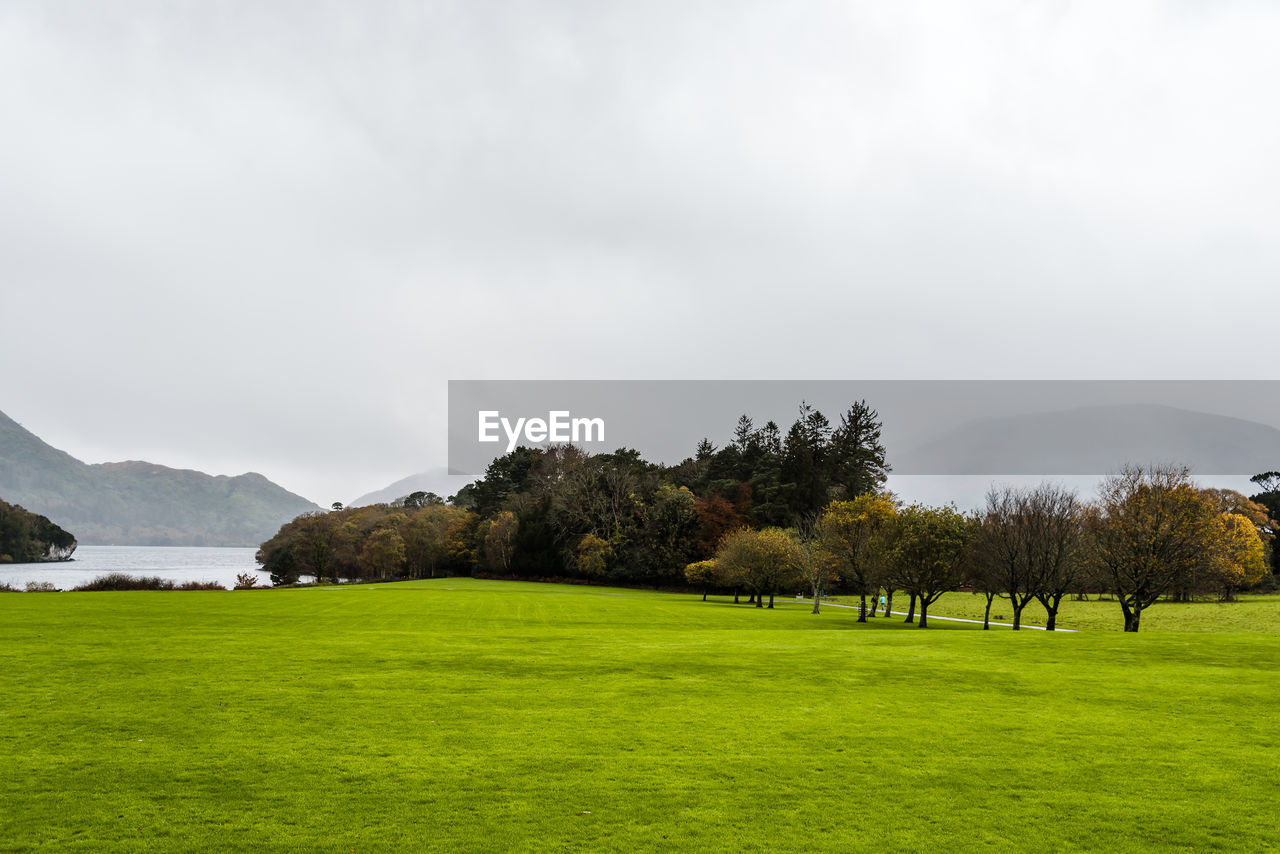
x=857 y=456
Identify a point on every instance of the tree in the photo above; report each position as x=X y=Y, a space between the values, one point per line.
x=311 y=550
x=498 y=540
x=592 y=556
x=1269 y=497
x=1241 y=561
x=505 y=476
x=1150 y=530
x=929 y=552
x=669 y=528
x=980 y=581
x=816 y=565
x=764 y=561
x=1055 y=538
x=1002 y=550
x=432 y=537
x=382 y=555
x=744 y=433
x=804 y=462
x=702 y=574
x=1027 y=547
x=858 y=465
x=1267 y=481
x=717 y=515
x=851 y=531
x=418 y=499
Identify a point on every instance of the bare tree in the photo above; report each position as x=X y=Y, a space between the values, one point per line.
x=1028 y=547
x=978 y=579
x=1054 y=540
x=1002 y=552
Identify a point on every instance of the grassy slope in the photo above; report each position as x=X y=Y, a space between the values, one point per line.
x=458 y=715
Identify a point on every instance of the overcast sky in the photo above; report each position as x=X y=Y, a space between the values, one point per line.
x=263 y=236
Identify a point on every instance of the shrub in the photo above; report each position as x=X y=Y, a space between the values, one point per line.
x=124 y=581
x=200 y=585
x=41 y=587
x=246 y=581
x=6 y=587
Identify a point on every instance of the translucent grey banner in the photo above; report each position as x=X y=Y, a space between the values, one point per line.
x=931 y=427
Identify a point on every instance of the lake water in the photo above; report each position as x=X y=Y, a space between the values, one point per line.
x=177 y=564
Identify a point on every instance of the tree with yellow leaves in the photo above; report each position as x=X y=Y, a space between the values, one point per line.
x=763 y=561
x=592 y=556
x=1150 y=531
x=1242 y=560
x=702 y=574
x=851 y=532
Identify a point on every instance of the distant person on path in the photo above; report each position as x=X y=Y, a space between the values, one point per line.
x=884 y=606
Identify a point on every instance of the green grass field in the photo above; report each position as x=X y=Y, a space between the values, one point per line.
x=460 y=715
x=1250 y=614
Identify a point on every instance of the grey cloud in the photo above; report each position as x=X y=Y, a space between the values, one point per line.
x=265 y=235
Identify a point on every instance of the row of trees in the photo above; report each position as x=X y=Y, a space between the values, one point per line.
x=413 y=538
x=1151 y=533
x=560 y=512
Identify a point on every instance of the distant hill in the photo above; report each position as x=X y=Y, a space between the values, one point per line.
x=1097 y=440
x=139 y=503
x=438 y=481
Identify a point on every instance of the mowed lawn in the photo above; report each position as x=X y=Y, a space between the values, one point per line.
x=461 y=715
x=1252 y=613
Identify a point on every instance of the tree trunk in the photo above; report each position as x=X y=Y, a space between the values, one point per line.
x=874 y=603
x=1131 y=615
x=816 y=596
x=771 y=599
x=986 y=617
x=704 y=595
x=888 y=603
x=735 y=597
x=759 y=600
x=924 y=614
x=1017 y=613
x=1051 y=621
x=862 y=607
x=911 y=612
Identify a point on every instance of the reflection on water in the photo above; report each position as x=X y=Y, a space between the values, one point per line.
x=175 y=563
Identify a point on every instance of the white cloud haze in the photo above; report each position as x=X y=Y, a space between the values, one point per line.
x=263 y=236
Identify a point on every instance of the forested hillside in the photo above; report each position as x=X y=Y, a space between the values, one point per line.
x=27 y=537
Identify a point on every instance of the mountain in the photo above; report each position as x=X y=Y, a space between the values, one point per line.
x=438 y=481
x=139 y=503
x=1097 y=440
